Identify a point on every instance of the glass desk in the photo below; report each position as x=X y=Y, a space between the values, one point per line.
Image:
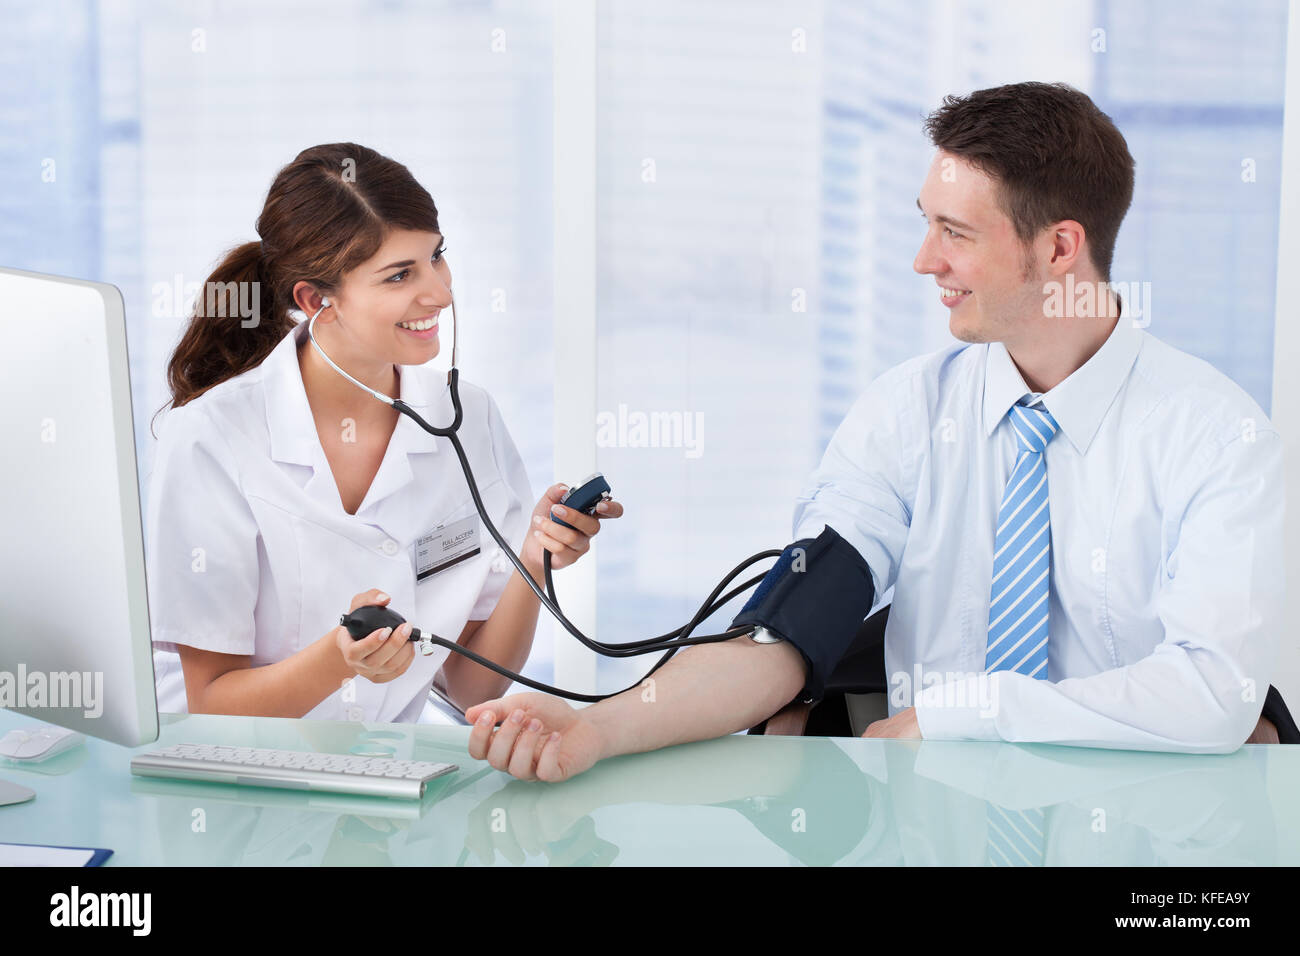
x=736 y=801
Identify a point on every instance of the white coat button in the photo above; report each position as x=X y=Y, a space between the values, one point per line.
x=389 y=547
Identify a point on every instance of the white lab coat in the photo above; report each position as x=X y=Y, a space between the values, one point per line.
x=250 y=551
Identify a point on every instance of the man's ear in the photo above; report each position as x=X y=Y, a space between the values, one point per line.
x=1068 y=242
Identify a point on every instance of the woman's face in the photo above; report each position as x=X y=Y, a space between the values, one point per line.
x=386 y=309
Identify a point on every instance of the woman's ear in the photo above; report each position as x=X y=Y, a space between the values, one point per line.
x=307 y=298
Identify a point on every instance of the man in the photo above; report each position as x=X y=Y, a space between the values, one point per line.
x=1081 y=524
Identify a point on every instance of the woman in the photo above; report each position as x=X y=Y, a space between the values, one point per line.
x=283 y=495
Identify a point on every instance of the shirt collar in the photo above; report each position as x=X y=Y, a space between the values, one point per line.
x=288 y=414
x=1080 y=401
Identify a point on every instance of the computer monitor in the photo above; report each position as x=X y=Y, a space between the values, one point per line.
x=75 y=645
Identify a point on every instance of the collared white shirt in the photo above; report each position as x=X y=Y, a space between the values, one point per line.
x=250 y=551
x=1165 y=485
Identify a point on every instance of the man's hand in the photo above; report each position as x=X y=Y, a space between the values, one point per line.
x=902 y=724
x=540 y=737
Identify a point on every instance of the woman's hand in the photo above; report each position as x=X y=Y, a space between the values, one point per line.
x=381 y=655
x=565 y=544
x=540 y=737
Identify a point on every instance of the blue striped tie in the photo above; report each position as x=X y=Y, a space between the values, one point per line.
x=1018 y=603
x=1022 y=553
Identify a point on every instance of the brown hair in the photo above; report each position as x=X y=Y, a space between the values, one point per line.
x=327 y=212
x=1053 y=153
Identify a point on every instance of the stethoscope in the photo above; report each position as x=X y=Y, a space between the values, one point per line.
x=365 y=620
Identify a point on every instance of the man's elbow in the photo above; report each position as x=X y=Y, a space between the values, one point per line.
x=787 y=673
x=1243 y=723
x=743 y=679
x=1223 y=729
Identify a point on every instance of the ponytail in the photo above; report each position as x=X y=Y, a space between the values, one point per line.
x=236 y=323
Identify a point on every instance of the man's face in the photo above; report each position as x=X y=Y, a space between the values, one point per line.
x=972 y=250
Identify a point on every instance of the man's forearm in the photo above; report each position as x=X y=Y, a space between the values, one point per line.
x=705 y=691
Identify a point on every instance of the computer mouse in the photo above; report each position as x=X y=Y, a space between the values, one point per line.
x=40 y=744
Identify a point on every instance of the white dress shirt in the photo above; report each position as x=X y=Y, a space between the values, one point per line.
x=250 y=551
x=1166 y=586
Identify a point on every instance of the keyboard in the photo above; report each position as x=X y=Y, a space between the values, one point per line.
x=292 y=769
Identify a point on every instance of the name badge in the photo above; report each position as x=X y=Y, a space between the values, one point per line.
x=446 y=545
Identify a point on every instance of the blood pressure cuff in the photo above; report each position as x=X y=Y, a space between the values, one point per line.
x=816 y=597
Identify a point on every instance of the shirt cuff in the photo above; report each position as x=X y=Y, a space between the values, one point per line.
x=961 y=709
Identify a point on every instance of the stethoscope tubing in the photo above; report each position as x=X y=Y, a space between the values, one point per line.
x=668 y=643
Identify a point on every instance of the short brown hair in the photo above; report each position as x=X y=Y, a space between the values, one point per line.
x=1053 y=154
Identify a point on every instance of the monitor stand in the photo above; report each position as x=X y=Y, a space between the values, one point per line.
x=14 y=793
